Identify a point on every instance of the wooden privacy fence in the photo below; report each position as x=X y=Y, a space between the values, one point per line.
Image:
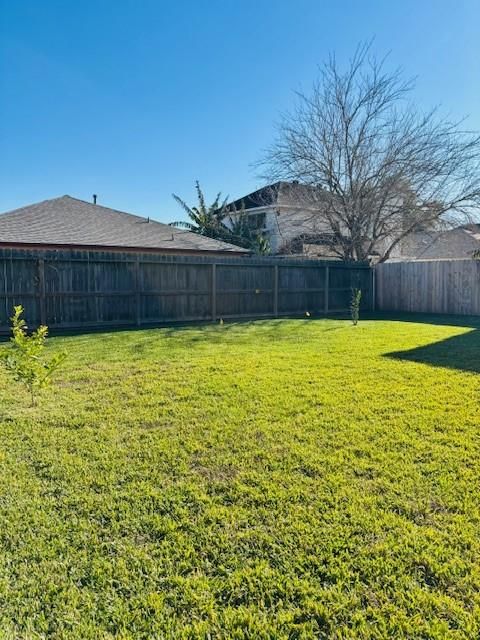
x=75 y=289
x=431 y=286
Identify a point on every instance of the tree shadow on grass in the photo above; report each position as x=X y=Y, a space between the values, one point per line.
x=460 y=352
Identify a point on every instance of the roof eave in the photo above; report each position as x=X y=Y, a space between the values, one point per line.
x=117 y=248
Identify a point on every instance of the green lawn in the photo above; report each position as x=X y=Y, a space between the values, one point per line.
x=276 y=479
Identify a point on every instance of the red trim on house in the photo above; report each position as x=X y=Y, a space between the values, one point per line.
x=86 y=247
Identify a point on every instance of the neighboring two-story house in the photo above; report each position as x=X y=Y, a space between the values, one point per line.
x=283 y=212
x=289 y=215
x=286 y=213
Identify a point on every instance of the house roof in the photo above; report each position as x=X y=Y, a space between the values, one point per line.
x=460 y=242
x=473 y=230
x=67 y=221
x=278 y=194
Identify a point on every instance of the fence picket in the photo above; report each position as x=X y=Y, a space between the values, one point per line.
x=430 y=286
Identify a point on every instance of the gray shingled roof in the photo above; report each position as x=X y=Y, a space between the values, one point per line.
x=460 y=242
x=67 y=221
x=278 y=194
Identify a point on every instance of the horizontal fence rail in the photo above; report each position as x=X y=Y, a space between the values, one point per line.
x=75 y=289
x=430 y=286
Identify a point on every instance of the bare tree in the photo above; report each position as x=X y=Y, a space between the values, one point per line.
x=373 y=168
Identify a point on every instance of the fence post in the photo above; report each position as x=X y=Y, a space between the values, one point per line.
x=326 y=290
x=373 y=293
x=275 y=290
x=214 y=291
x=137 y=291
x=41 y=291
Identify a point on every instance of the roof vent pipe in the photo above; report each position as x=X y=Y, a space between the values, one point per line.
x=94 y=198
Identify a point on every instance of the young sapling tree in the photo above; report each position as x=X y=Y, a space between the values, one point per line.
x=25 y=358
x=355 y=305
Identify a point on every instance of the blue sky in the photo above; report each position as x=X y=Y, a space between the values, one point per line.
x=136 y=99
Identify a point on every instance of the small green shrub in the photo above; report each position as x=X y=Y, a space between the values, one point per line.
x=355 y=305
x=24 y=359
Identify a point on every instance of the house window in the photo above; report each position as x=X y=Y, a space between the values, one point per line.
x=256 y=221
